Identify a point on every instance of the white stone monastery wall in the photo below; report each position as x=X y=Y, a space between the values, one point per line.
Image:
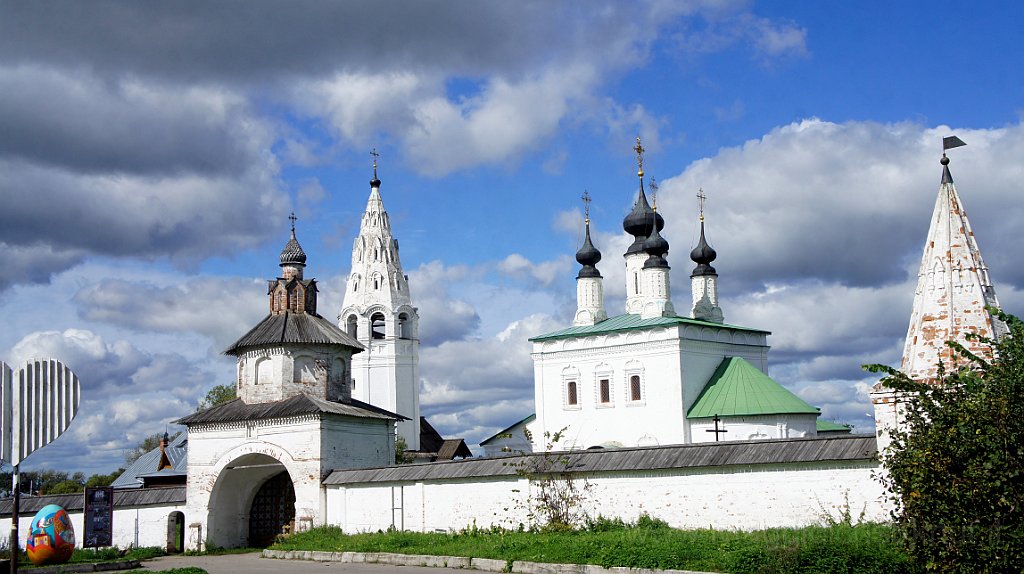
x=736 y=497
x=139 y=526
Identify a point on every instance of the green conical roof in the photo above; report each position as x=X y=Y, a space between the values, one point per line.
x=738 y=388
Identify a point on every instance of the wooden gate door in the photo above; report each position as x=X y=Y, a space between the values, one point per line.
x=272 y=508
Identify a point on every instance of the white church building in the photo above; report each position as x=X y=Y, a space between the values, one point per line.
x=672 y=415
x=649 y=376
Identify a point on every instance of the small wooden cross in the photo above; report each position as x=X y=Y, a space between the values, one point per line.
x=718 y=432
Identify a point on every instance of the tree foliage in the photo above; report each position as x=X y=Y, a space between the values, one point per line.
x=955 y=468
x=217 y=395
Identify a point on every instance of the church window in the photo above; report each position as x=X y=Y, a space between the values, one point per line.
x=377 y=323
x=352 y=326
x=634 y=388
x=264 y=371
x=404 y=329
x=571 y=397
x=605 y=390
x=636 y=283
x=305 y=371
x=355 y=283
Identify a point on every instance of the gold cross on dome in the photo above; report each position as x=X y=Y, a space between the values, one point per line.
x=586 y=204
x=639 y=149
x=293 y=220
x=701 y=198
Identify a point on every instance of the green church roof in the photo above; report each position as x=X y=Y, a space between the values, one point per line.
x=738 y=388
x=829 y=426
x=632 y=322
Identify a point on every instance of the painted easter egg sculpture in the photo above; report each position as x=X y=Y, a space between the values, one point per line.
x=51 y=539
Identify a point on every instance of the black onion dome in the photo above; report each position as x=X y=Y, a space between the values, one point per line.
x=638 y=222
x=703 y=255
x=292 y=254
x=656 y=246
x=588 y=256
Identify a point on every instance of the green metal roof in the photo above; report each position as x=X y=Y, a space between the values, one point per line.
x=631 y=322
x=829 y=426
x=738 y=388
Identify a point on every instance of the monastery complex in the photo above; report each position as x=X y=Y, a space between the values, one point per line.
x=665 y=407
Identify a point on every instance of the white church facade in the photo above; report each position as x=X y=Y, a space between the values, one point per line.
x=648 y=376
x=690 y=427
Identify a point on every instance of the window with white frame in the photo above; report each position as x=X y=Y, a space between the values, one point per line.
x=635 y=391
x=571 y=394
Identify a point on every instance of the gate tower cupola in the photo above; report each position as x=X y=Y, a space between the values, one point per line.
x=378 y=312
x=294 y=351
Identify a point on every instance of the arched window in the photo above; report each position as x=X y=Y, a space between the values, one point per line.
x=404 y=330
x=264 y=371
x=352 y=326
x=634 y=388
x=377 y=322
x=571 y=396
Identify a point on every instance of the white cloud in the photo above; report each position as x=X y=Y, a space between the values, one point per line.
x=127 y=394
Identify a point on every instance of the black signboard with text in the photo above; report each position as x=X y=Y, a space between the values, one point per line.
x=99 y=517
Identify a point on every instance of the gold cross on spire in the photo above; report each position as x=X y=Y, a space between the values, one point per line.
x=639 y=149
x=375 y=155
x=701 y=198
x=654 y=195
x=293 y=219
x=586 y=204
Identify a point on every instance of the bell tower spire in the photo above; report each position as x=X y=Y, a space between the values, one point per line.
x=951 y=301
x=378 y=311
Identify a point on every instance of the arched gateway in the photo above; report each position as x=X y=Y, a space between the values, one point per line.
x=255 y=464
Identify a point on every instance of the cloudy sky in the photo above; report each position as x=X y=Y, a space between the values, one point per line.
x=151 y=153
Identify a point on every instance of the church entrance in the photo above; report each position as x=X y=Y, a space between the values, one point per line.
x=252 y=499
x=272 y=511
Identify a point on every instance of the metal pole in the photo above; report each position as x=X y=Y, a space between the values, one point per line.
x=14 y=521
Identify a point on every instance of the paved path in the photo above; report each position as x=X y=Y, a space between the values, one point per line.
x=245 y=563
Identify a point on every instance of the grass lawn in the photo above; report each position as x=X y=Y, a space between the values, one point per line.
x=865 y=548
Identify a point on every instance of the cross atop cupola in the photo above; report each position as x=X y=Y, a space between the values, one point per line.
x=290 y=292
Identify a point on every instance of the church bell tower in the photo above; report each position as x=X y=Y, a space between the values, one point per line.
x=378 y=312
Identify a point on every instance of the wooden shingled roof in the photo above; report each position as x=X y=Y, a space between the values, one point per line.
x=289 y=327
x=76 y=502
x=838 y=448
x=303 y=404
